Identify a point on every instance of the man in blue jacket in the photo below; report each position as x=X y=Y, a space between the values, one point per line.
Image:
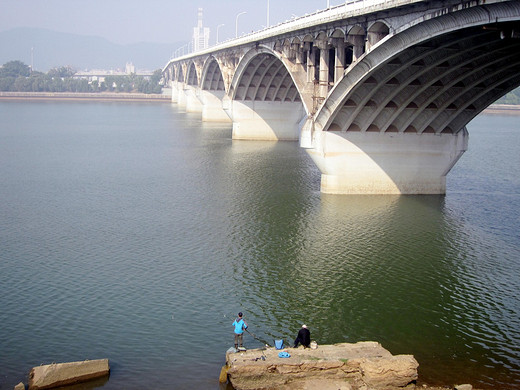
x=240 y=325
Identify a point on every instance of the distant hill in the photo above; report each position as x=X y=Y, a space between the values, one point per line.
x=51 y=49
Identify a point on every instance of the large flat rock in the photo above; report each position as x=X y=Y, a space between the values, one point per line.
x=61 y=374
x=363 y=365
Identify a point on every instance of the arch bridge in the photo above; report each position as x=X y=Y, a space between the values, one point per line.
x=378 y=92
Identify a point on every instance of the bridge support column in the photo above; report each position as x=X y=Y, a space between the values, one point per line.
x=324 y=69
x=181 y=95
x=212 y=110
x=358 y=46
x=339 y=63
x=299 y=54
x=386 y=163
x=265 y=121
x=311 y=63
x=175 y=91
x=193 y=104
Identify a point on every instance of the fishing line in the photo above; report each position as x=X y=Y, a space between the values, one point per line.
x=257 y=338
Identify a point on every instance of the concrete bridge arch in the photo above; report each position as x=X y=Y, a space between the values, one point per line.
x=212 y=78
x=266 y=96
x=466 y=36
x=190 y=85
x=212 y=90
x=191 y=75
x=414 y=92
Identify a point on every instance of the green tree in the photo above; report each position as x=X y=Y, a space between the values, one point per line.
x=156 y=76
x=16 y=76
x=22 y=84
x=54 y=84
x=7 y=84
x=512 y=97
x=62 y=71
x=119 y=80
x=38 y=82
x=109 y=83
x=15 y=69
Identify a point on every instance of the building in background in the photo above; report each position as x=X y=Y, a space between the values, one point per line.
x=129 y=68
x=200 y=34
x=101 y=74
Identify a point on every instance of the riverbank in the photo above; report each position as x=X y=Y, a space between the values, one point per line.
x=503 y=109
x=87 y=96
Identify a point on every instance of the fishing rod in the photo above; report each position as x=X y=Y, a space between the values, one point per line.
x=257 y=338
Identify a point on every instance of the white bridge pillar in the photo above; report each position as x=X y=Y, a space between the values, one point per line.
x=193 y=104
x=386 y=163
x=181 y=95
x=212 y=110
x=175 y=91
x=265 y=121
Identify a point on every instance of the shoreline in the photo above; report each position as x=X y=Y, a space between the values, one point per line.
x=502 y=109
x=494 y=109
x=87 y=96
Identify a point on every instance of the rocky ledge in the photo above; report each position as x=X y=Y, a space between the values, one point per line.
x=359 y=366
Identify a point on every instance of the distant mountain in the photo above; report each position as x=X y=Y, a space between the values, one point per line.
x=51 y=49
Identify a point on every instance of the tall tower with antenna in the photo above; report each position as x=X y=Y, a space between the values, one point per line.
x=200 y=34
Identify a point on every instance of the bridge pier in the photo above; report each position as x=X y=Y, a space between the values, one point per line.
x=175 y=91
x=181 y=95
x=265 y=121
x=386 y=163
x=212 y=110
x=193 y=104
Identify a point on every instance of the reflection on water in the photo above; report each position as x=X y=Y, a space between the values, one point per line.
x=139 y=241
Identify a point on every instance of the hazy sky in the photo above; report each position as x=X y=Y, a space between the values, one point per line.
x=161 y=21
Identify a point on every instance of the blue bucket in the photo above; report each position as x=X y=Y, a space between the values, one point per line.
x=278 y=344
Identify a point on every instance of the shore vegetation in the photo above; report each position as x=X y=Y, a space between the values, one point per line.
x=512 y=97
x=16 y=76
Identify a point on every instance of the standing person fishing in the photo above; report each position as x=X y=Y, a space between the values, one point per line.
x=240 y=325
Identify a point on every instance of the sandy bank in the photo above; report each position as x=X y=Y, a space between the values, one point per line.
x=502 y=109
x=80 y=96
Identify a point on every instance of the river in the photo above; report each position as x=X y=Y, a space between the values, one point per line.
x=135 y=232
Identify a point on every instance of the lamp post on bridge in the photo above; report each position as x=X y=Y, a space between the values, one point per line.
x=236 y=23
x=267 y=13
x=220 y=25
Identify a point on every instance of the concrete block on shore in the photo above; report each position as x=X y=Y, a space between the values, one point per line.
x=62 y=374
x=364 y=365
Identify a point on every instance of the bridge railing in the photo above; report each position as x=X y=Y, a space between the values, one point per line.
x=342 y=11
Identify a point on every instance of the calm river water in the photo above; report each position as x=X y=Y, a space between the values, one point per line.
x=135 y=232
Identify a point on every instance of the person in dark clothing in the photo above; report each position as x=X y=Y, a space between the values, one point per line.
x=303 y=338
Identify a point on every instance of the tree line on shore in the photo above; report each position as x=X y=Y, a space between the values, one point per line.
x=15 y=76
x=512 y=97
